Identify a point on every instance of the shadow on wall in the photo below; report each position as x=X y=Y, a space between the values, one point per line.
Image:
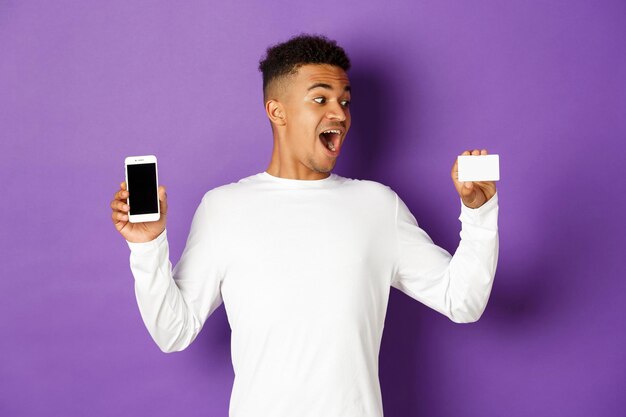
x=537 y=287
x=532 y=289
x=372 y=121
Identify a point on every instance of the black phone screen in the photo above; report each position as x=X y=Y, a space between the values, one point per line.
x=142 y=188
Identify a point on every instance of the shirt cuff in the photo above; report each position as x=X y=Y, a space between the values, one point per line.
x=470 y=214
x=142 y=247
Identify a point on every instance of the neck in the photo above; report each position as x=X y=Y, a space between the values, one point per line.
x=285 y=165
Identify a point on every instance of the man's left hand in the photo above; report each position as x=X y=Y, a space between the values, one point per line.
x=473 y=193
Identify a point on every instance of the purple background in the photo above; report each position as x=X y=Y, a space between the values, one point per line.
x=542 y=84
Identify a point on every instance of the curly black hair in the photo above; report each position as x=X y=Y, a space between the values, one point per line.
x=285 y=58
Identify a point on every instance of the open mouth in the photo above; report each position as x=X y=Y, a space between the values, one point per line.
x=331 y=139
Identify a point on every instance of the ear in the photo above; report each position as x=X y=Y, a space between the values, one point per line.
x=275 y=112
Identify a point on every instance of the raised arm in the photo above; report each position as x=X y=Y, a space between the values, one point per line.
x=175 y=303
x=457 y=286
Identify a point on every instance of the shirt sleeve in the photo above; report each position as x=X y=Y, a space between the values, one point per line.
x=456 y=286
x=174 y=304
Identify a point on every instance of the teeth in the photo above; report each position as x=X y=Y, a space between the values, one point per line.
x=329 y=143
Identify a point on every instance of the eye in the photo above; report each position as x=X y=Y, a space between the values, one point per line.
x=345 y=103
x=320 y=98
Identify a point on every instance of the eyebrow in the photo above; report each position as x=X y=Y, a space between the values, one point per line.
x=326 y=86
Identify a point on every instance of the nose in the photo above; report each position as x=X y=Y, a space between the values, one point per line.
x=336 y=112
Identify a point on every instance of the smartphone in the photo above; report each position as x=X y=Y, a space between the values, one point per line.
x=478 y=167
x=142 y=184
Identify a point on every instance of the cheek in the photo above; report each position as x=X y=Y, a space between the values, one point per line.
x=309 y=124
x=304 y=119
x=304 y=124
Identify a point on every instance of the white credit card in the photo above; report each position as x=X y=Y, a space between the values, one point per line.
x=479 y=167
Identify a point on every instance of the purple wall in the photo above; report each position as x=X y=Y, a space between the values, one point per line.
x=84 y=84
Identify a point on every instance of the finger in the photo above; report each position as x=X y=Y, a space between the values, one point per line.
x=483 y=152
x=122 y=195
x=114 y=204
x=119 y=217
x=118 y=193
x=455 y=167
x=476 y=152
x=122 y=187
x=487 y=186
x=163 y=199
x=456 y=162
x=120 y=207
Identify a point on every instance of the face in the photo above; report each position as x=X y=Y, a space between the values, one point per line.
x=316 y=105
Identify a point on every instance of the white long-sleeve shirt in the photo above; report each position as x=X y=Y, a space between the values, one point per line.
x=304 y=269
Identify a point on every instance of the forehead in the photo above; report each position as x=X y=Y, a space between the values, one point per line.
x=311 y=74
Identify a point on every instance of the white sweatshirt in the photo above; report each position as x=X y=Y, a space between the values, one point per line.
x=304 y=268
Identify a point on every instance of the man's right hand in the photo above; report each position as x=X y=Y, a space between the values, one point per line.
x=137 y=232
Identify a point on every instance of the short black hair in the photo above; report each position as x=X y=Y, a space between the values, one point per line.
x=285 y=58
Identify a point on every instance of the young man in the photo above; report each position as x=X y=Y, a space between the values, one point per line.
x=304 y=259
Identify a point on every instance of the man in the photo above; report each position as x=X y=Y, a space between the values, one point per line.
x=304 y=259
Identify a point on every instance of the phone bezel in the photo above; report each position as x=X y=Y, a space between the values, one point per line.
x=137 y=160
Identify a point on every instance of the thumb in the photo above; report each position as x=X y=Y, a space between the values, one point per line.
x=468 y=184
x=163 y=199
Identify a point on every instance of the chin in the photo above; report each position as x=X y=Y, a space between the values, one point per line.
x=323 y=169
x=330 y=167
